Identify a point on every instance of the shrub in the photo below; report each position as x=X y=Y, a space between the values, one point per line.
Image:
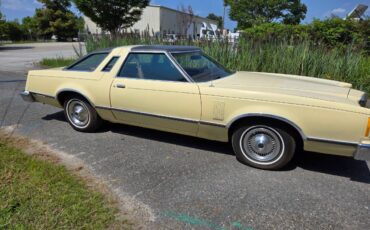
x=11 y=30
x=333 y=33
x=279 y=31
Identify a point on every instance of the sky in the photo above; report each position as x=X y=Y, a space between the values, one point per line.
x=14 y=9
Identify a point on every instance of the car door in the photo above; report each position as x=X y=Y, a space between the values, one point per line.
x=151 y=91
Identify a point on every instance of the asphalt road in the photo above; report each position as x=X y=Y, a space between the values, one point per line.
x=190 y=183
x=18 y=58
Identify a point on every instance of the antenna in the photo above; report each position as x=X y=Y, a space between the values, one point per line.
x=357 y=12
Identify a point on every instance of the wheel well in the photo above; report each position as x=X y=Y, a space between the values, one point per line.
x=293 y=130
x=63 y=96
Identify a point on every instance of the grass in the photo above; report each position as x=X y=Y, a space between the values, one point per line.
x=289 y=57
x=56 y=62
x=36 y=194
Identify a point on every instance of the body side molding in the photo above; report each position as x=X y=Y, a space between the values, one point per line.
x=265 y=115
x=161 y=116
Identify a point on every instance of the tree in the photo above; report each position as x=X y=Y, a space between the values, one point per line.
x=55 y=18
x=216 y=18
x=255 y=12
x=30 y=28
x=185 y=19
x=296 y=11
x=12 y=30
x=1 y=15
x=112 y=15
x=2 y=22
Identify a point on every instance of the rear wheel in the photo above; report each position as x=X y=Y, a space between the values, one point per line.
x=263 y=146
x=81 y=115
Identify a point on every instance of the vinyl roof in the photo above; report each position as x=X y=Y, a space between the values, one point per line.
x=167 y=48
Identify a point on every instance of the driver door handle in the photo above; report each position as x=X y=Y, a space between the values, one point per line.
x=120 y=86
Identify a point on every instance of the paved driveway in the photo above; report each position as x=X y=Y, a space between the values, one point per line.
x=18 y=58
x=190 y=183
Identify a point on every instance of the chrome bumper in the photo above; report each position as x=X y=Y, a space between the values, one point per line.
x=363 y=152
x=27 y=96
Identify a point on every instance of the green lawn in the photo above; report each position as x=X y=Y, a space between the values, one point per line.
x=56 y=62
x=36 y=194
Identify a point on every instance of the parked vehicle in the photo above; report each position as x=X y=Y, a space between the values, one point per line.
x=267 y=117
x=170 y=38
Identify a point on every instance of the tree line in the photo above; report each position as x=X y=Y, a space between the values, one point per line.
x=258 y=18
x=53 y=18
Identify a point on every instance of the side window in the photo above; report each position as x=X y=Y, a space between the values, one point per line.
x=110 y=64
x=90 y=63
x=150 y=66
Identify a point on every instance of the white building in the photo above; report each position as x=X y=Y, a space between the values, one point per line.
x=160 y=20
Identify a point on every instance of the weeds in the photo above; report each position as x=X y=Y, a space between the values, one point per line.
x=57 y=62
x=290 y=57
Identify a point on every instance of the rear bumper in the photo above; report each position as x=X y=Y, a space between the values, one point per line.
x=363 y=152
x=27 y=96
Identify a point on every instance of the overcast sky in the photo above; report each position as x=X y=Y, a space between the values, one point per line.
x=316 y=8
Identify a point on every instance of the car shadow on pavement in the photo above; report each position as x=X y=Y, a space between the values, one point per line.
x=155 y=135
x=328 y=164
x=335 y=165
x=172 y=138
x=5 y=48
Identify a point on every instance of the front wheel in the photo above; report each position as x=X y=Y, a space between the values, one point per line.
x=81 y=115
x=263 y=146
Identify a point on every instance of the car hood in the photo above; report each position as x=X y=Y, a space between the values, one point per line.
x=286 y=84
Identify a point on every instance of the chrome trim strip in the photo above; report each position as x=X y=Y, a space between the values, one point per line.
x=74 y=91
x=161 y=116
x=68 y=68
x=110 y=60
x=43 y=95
x=147 y=51
x=27 y=96
x=148 y=114
x=187 y=51
x=330 y=141
x=179 y=68
x=212 y=124
x=183 y=73
x=265 y=115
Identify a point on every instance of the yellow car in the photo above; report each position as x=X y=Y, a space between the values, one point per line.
x=267 y=117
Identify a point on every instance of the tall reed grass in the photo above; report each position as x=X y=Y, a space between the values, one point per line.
x=299 y=58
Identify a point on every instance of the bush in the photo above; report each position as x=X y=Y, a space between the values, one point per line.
x=14 y=31
x=333 y=33
x=277 y=31
x=337 y=32
x=11 y=30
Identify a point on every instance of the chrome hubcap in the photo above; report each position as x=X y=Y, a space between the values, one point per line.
x=78 y=113
x=261 y=144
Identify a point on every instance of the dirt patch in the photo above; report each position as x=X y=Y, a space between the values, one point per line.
x=139 y=216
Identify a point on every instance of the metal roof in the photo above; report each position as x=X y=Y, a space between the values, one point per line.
x=167 y=48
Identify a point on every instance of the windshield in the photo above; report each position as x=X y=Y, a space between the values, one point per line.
x=201 y=67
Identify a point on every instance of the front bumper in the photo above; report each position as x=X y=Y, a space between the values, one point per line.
x=27 y=96
x=363 y=151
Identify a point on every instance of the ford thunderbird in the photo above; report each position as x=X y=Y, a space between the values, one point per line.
x=266 y=117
